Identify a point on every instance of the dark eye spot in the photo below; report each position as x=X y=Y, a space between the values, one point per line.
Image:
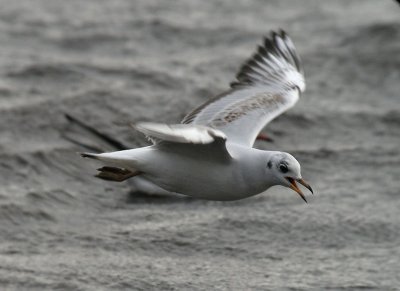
x=269 y=164
x=283 y=168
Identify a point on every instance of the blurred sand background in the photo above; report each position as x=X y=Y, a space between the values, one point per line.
x=114 y=62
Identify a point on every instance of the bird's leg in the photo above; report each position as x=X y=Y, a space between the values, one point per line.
x=264 y=137
x=116 y=174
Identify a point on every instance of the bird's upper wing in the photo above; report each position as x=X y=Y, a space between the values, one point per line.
x=268 y=84
x=205 y=139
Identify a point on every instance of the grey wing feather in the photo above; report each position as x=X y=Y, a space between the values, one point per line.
x=267 y=85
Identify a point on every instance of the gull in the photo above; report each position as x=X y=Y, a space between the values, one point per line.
x=210 y=154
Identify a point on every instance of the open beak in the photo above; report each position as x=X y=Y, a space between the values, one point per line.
x=305 y=184
x=295 y=188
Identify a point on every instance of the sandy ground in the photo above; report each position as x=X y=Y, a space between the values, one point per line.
x=114 y=62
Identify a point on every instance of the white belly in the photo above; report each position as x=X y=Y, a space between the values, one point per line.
x=199 y=175
x=200 y=178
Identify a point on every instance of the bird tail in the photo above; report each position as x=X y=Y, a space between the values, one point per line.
x=118 y=157
x=90 y=156
x=120 y=165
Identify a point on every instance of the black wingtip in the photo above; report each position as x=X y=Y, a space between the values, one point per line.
x=108 y=139
x=68 y=117
x=262 y=66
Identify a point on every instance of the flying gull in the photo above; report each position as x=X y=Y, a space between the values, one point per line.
x=210 y=154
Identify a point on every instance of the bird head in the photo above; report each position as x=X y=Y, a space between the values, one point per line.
x=286 y=172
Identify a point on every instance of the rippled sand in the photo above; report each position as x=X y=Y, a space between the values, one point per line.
x=114 y=62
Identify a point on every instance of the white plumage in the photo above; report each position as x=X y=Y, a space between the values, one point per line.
x=210 y=155
x=180 y=133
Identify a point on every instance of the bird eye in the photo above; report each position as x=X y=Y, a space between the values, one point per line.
x=283 y=168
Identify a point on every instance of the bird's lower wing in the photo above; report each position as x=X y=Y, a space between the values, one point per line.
x=87 y=136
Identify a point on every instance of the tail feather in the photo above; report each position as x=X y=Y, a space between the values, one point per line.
x=119 y=157
x=119 y=165
x=89 y=155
